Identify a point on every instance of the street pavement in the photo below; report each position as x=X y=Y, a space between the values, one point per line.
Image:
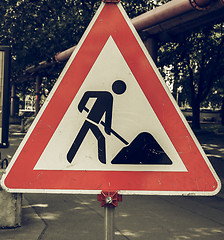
x=78 y=217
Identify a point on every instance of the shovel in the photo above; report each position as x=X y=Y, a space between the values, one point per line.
x=112 y=131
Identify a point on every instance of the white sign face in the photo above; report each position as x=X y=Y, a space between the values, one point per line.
x=131 y=110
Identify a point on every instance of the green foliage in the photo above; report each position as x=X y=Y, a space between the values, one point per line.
x=197 y=64
x=38 y=29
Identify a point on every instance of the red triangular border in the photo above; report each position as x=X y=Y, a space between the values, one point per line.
x=200 y=178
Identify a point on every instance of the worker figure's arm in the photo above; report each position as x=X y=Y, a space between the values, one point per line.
x=103 y=105
x=84 y=100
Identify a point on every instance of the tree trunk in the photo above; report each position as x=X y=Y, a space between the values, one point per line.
x=196 y=115
x=222 y=112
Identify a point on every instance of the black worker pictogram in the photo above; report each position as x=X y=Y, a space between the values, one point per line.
x=103 y=105
x=144 y=149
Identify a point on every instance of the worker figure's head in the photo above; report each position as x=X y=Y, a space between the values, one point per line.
x=119 y=87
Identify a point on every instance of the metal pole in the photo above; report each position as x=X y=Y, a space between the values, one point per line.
x=13 y=98
x=152 y=47
x=38 y=83
x=109 y=223
x=109 y=201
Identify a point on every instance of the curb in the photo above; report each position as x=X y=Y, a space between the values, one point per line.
x=32 y=225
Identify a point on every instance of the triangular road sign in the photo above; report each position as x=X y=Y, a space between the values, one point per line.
x=111 y=124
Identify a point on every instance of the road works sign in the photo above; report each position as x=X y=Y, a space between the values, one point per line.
x=111 y=124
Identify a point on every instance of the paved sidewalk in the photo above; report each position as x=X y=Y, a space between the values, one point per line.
x=62 y=217
x=31 y=229
x=32 y=225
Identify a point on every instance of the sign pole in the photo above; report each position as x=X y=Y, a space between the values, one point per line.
x=109 y=201
x=109 y=222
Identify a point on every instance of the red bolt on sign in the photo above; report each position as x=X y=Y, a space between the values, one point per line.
x=109 y=199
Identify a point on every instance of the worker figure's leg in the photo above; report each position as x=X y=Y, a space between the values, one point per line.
x=101 y=145
x=79 y=139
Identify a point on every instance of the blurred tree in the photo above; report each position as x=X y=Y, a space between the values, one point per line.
x=197 y=64
x=38 y=29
